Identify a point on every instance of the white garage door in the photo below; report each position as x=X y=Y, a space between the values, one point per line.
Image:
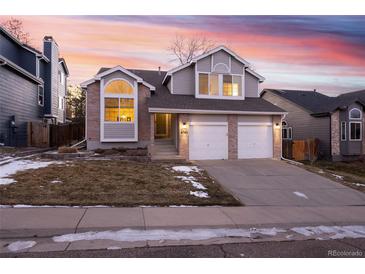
x=208 y=141
x=255 y=141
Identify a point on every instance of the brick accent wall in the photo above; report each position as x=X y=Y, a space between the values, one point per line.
x=232 y=137
x=277 y=136
x=335 y=134
x=93 y=112
x=183 y=138
x=144 y=123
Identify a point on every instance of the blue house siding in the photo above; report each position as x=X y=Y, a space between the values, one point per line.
x=19 y=97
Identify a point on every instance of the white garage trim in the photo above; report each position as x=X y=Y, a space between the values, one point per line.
x=254 y=124
x=255 y=140
x=208 y=123
x=208 y=140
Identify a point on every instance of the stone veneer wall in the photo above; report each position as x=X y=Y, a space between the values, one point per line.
x=232 y=137
x=335 y=135
x=277 y=142
x=183 y=144
x=93 y=112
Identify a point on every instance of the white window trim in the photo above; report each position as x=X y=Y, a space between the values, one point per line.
x=62 y=80
x=220 y=83
x=289 y=131
x=344 y=123
x=61 y=103
x=102 y=122
x=357 y=122
x=355 y=118
x=42 y=104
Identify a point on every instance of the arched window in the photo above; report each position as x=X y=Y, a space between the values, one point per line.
x=118 y=87
x=355 y=114
x=119 y=102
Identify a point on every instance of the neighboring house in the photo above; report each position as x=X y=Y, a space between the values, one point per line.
x=32 y=87
x=337 y=122
x=209 y=108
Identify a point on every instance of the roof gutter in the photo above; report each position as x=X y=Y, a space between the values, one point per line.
x=205 y=111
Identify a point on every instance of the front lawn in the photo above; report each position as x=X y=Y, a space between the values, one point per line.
x=114 y=183
x=351 y=174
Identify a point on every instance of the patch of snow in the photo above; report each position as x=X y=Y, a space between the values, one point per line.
x=20 y=245
x=114 y=248
x=321 y=171
x=200 y=194
x=358 y=184
x=186 y=169
x=15 y=166
x=56 y=182
x=339 y=177
x=300 y=194
x=192 y=180
x=182 y=206
x=332 y=232
x=132 y=235
x=5 y=206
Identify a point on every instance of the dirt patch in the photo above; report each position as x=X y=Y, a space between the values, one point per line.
x=110 y=182
x=122 y=151
x=351 y=174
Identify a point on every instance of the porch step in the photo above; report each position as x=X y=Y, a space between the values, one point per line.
x=165 y=150
x=163 y=142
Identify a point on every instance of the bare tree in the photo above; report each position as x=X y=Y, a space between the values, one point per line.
x=185 y=49
x=15 y=27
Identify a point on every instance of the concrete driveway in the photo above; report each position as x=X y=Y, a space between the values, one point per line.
x=266 y=182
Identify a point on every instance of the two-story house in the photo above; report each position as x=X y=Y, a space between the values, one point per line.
x=209 y=108
x=32 y=87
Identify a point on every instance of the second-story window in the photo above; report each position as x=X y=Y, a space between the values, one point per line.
x=212 y=84
x=40 y=96
x=61 y=77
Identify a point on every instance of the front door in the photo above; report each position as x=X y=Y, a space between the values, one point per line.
x=162 y=125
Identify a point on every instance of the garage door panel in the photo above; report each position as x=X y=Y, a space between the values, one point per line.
x=255 y=141
x=208 y=142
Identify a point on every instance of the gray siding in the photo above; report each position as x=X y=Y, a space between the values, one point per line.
x=221 y=57
x=204 y=65
x=251 y=85
x=304 y=125
x=184 y=81
x=18 y=97
x=118 y=131
x=236 y=67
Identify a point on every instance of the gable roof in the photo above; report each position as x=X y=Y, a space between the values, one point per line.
x=212 y=51
x=318 y=103
x=23 y=45
x=312 y=101
x=163 y=99
x=106 y=71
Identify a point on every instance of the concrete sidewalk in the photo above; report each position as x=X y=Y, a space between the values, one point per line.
x=47 y=222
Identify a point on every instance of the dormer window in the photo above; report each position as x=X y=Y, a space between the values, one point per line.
x=220 y=85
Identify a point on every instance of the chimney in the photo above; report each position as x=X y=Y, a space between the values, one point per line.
x=159 y=70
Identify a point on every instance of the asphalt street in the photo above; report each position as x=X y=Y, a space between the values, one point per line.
x=346 y=248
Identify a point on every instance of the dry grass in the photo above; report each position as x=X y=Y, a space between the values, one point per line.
x=67 y=150
x=105 y=182
x=353 y=173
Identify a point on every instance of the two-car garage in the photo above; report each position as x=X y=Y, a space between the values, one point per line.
x=208 y=137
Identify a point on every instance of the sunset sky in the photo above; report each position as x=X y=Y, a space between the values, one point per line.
x=304 y=52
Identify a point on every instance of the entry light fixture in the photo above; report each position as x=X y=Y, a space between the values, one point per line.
x=277 y=125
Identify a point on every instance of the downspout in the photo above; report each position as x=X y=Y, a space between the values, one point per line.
x=281 y=147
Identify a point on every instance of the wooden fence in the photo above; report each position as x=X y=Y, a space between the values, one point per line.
x=49 y=135
x=301 y=150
